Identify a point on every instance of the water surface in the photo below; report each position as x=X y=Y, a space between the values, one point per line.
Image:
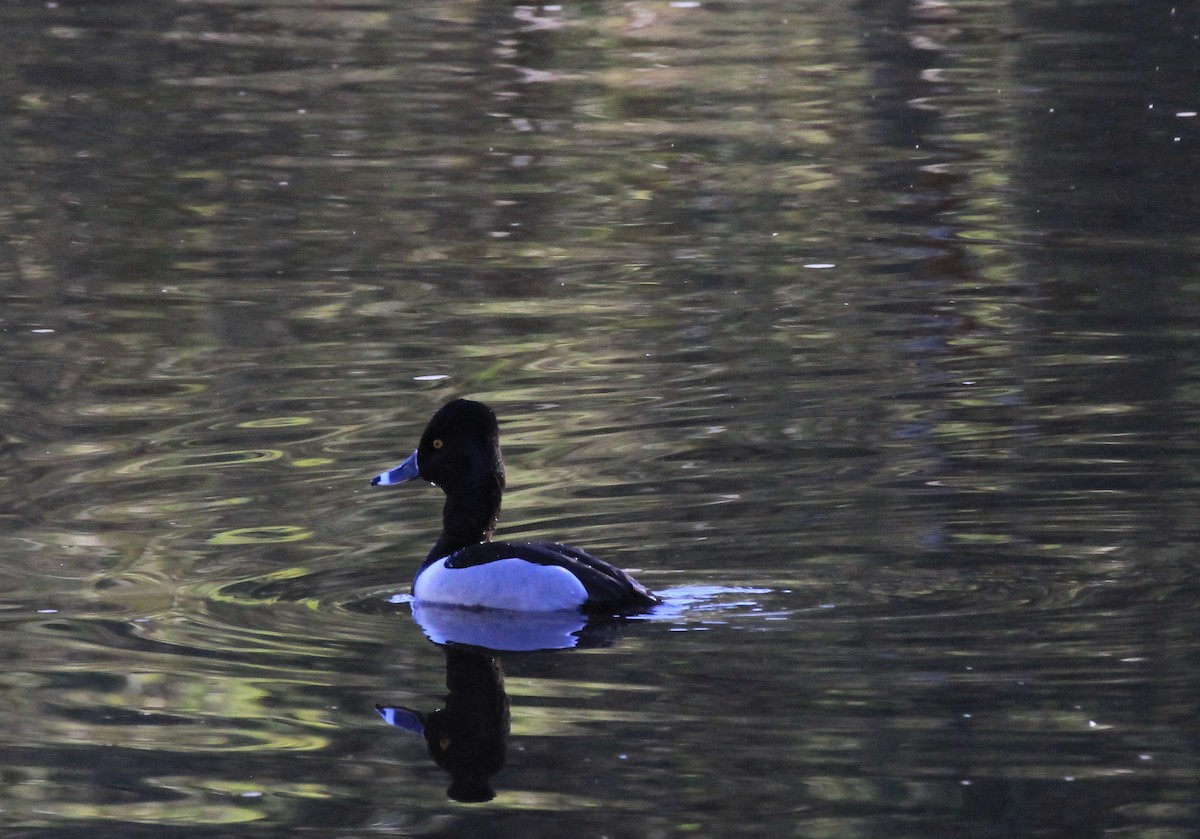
x=867 y=334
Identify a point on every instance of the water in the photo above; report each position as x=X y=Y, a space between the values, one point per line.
x=866 y=334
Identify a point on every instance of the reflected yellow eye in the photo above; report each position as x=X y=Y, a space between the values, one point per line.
x=437 y=444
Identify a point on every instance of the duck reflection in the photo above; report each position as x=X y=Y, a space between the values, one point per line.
x=468 y=735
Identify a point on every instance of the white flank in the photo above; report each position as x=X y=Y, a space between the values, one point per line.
x=511 y=583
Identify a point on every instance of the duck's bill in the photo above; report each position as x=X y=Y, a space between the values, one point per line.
x=406 y=471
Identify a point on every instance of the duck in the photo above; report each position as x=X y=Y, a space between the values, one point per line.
x=459 y=452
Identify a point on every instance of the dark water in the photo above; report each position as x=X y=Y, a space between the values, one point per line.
x=867 y=332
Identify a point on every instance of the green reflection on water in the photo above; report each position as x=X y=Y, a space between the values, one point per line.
x=277 y=422
x=174 y=813
x=265 y=535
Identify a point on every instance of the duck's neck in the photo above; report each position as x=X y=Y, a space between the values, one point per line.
x=468 y=519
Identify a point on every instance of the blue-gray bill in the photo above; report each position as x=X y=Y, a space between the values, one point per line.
x=406 y=471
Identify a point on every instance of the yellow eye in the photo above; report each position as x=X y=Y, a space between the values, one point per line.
x=437 y=444
x=444 y=743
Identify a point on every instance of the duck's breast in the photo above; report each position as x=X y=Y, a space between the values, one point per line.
x=504 y=583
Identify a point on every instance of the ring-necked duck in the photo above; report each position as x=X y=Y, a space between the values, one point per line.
x=460 y=452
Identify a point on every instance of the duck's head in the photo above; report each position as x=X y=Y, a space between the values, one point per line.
x=459 y=451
